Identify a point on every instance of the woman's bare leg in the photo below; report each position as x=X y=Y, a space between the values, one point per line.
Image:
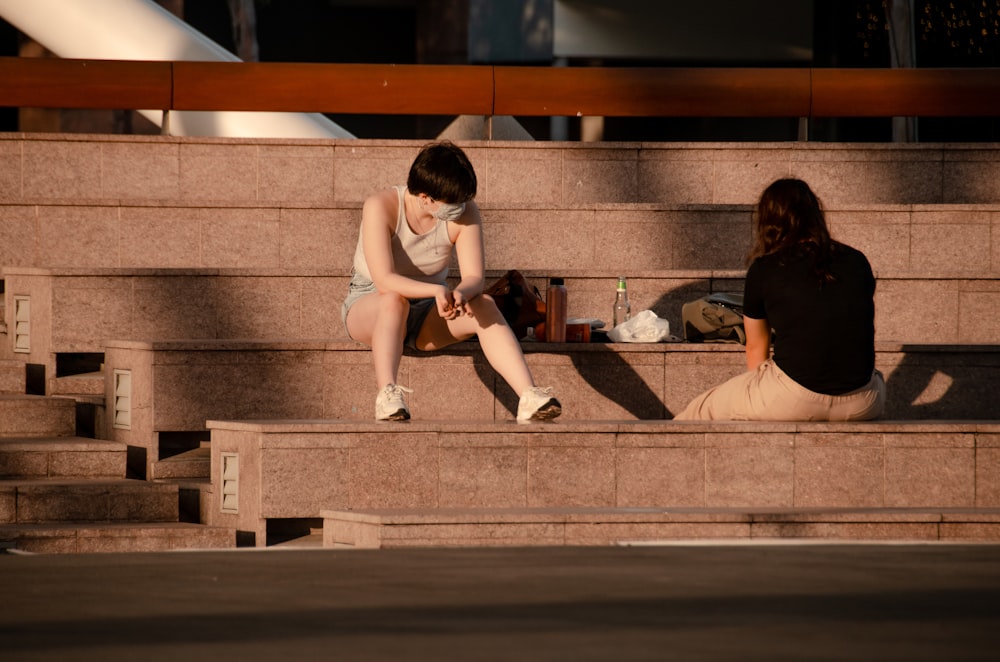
x=499 y=344
x=379 y=320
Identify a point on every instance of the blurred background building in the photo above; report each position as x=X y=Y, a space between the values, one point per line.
x=580 y=33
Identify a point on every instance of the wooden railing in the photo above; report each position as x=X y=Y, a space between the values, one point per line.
x=499 y=90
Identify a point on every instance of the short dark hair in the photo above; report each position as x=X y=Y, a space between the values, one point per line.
x=443 y=172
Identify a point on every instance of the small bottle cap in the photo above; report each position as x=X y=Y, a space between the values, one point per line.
x=556 y=281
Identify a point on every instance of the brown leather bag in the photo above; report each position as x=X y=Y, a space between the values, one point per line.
x=520 y=303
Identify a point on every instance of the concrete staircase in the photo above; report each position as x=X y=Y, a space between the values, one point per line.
x=61 y=493
x=175 y=281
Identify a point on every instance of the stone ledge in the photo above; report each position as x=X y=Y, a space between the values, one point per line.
x=179 y=384
x=318 y=344
x=295 y=469
x=583 y=515
x=73 y=444
x=614 y=427
x=498 y=206
x=105 y=537
x=380 y=528
x=531 y=274
x=36 y=416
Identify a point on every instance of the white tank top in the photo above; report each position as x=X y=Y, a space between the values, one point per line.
x=424 y=257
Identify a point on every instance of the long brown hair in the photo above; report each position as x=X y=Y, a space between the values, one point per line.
x=790 y=218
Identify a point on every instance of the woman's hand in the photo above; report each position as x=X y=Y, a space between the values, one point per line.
x=452 y=304
x=460 y=303
x=447 y=306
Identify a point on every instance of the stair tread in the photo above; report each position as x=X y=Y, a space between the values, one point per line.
x=200 y=483
x=201 y=454
x=94 y=537
x=82 y=444
x=85 y=384
x=584 y=514
x=600 y=273
x=344 y=343
x=193 y=466
x=83 y=482
x=26 y=397
x=107 y=526
x=559 y=426
x=645 y=526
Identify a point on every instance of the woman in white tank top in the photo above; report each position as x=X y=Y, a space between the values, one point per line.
x=399 y=292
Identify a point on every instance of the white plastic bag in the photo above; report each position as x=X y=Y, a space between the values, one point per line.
x=644 y=326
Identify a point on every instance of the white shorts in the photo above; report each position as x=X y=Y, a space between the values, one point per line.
x=419 y=308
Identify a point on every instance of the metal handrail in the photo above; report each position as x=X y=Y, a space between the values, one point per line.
x=499 y=90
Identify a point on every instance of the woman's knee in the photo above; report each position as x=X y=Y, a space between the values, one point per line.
x=393 y=305
x=484 y=309
x=373 y=312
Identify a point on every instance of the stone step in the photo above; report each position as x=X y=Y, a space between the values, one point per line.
x=193 y=464
x=267 y=470
x=196 y=497
x=86 y=310
x=61 y=457
x=12 y=377
x=181 y=384
x=90 y=385
x=89 y=538
x=36 y=416
x=627 y=238
x=87 y=500
x=248 y=171
x=523 y=527
x=87 y=391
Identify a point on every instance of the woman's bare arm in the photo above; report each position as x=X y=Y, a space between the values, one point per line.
x=378 y=220
x=758 y=347
x=470 y=252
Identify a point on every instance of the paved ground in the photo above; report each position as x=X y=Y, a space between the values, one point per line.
x=748 y=602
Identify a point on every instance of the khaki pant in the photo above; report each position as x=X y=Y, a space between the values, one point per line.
x=768 y=394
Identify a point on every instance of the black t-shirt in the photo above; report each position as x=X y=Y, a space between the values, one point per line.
x=824 y=335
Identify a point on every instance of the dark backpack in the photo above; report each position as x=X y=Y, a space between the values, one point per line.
x=714 y=318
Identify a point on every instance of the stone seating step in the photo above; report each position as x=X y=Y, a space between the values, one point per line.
x=525 y=527
x=12 y=377
x=84 y=384
x=87 y=390
x=36 y=416
x=283 y=470
x=193 y=464
x=196 y=496
x=181 y=384
x=86 y=309
x=61 y=457
x=113 y=537
x=44 y=501
x=249 y=170
x=267 y=238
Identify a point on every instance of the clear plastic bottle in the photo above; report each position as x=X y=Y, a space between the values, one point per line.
x=622 y=310
x=555 y=311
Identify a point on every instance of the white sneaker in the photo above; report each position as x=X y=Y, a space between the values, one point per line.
x=538 y=404
x=390 y=405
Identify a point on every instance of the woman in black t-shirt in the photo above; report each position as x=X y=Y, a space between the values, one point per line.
x=816 y=296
